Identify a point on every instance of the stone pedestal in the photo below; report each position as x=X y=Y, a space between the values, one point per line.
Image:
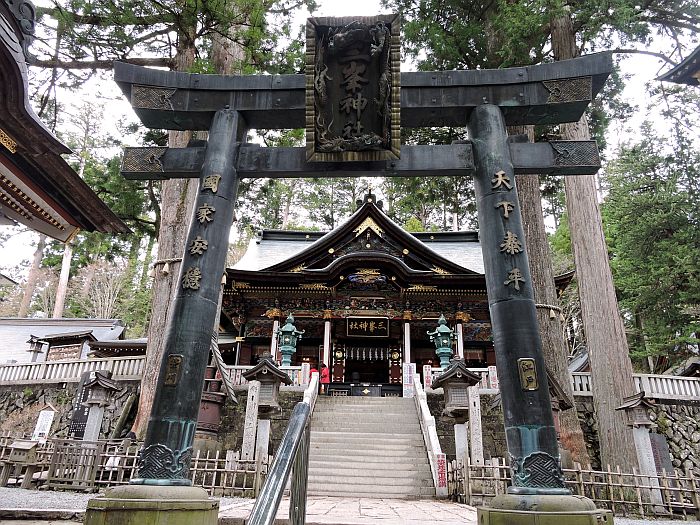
x=511 y=509
x=153 y=505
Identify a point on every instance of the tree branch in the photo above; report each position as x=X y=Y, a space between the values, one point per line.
x=102 y=21
x=101 y=64
x=645 y=52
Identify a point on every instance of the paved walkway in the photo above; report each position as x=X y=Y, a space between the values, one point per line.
x=362 y=511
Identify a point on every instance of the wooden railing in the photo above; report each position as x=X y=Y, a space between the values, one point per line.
x=70 y=370
x=665 y=387
x=654 y=386
x=662 y=387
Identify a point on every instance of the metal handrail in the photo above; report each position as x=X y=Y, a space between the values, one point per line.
x=292 y=458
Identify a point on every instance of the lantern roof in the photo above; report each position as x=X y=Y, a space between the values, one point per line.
x=264 y=367
x=456 y=371
x=103 y=381
x=637 y=400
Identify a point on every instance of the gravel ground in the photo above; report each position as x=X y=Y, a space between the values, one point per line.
x=15 y=498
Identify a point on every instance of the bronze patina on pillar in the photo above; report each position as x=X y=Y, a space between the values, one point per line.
x=165 y=458
x=537 y=480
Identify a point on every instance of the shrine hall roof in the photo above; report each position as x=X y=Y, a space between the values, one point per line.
x=270 y=247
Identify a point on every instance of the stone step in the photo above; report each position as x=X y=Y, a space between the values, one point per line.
x=359 y=448
x=371 y=460
x=370 y=491
x=365 y=437
x=371 y=463
x=318 y=451
x=368 y=429
x=357 y=477
x=367 y=414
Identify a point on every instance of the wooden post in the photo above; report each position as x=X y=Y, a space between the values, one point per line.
x=251 y=420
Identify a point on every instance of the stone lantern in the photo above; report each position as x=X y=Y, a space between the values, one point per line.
x=270 y=378
x=101 y=390
x=442 y=339
x=287 y=337
x=36 y=346
x=636 y=409
x=455 y=381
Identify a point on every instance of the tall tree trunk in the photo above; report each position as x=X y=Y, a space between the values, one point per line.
x=553 y=344
x=32 y=278
x=62 y=287
x=177 y=200
x=611 y=369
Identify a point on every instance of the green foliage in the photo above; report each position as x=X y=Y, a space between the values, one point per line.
x=652 y=222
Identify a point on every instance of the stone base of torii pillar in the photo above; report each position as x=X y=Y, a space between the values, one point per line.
x=152 y=504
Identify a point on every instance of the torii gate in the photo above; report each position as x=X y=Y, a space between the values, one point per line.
x=352 y=107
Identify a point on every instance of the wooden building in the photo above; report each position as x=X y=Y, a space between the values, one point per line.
x=37 y=186
x=365 y=295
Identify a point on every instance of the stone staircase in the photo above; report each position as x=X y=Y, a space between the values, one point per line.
x=368 y=447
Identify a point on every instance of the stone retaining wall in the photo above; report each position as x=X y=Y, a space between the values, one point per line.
x=681 y=426
x=233 y=419
x=20 y=406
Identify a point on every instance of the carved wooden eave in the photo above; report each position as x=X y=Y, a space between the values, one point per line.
x=37 y=187
x=687 y=72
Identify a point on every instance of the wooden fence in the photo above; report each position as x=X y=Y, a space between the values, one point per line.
x=626 y=494
x=67 y=464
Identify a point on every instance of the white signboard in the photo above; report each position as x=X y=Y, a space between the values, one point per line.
x=409 y=370
x=493 y=378
x=428 y=376
x=43 y=426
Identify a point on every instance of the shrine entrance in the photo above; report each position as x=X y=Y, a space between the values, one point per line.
x=366 y=367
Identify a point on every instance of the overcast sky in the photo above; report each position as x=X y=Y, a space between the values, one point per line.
x=642 y=68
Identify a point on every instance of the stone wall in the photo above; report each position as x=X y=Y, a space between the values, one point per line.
x=493 y=433
x=233 y=419
x=681 y=426
x=20 y=406
x=589 y=427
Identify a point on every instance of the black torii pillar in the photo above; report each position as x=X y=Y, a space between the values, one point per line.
x=538 y=487
x=162 y=494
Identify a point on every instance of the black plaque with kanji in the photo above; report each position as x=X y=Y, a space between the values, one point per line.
x=352 y=88
x=367 y=327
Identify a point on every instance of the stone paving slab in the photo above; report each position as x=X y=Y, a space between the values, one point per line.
x=361 y=511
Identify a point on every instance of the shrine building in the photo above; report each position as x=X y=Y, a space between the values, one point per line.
x=365 y=295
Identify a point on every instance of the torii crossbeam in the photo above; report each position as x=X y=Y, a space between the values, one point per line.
x=484 y=101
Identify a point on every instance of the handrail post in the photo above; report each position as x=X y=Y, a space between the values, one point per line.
x=297 y=504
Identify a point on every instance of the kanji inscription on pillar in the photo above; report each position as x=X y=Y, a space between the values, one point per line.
x=198 y=246
x=501 y=180
x=205 y=213
x=352 y=88
x=515 y=277
x=211 y=183
x=511 y=244
x=191 y=278
x=507 y=208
